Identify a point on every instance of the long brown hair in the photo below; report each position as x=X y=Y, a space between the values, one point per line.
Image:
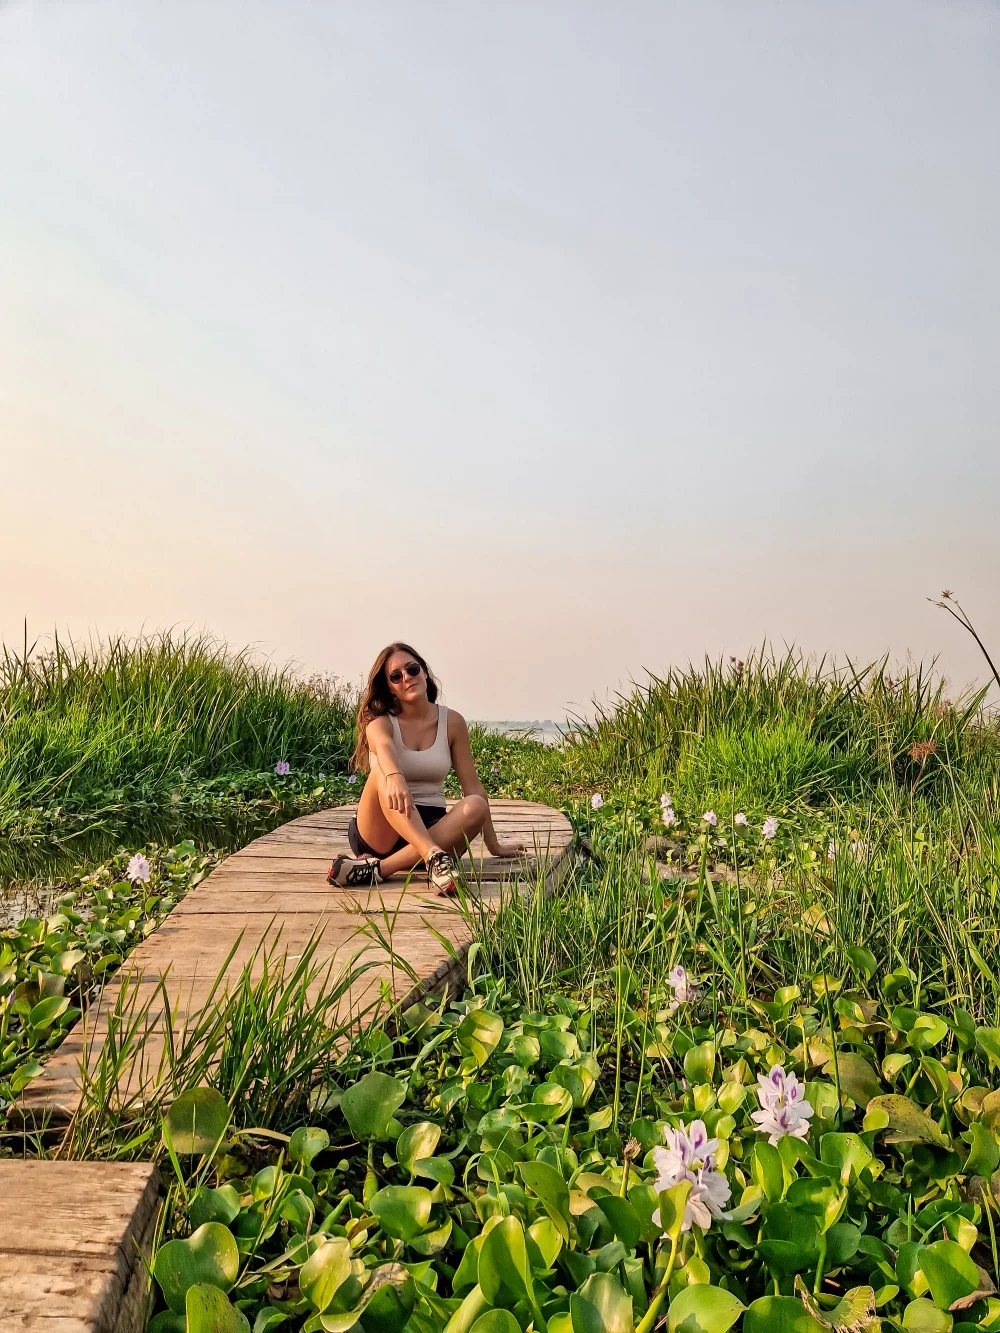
x=378 y=700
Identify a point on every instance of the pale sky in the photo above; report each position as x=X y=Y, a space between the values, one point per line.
x=563 y=339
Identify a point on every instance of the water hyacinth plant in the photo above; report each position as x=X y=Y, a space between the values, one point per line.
x=476 y=1176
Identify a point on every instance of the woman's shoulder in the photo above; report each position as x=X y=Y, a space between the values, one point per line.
x=456 y=723
x=379 y=726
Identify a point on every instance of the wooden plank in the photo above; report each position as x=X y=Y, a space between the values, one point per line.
x=68 y=1238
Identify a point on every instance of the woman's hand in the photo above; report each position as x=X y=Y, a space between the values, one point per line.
x=507 y=847
x=398 y=794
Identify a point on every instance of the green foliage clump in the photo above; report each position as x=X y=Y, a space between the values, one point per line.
x=482 y=1171
x=84 y=728
x=771 y=732
x=51 y=967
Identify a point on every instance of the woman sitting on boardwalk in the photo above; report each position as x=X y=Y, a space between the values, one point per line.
x=409 y=744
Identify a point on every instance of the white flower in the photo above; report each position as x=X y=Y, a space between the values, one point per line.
x=322 y=777
x=783 y=1106
x=689 y=1155
x=685 y=991
x=669 y=816
x=138 y=869
x=710 y=817
x=741 y=819
x=666 y=800
x=353 y=778
x=596 y=801
x=770 y=827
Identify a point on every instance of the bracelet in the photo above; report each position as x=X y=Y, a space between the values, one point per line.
x=396 y=773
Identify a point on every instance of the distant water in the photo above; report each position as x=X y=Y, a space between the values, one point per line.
x=547 y=731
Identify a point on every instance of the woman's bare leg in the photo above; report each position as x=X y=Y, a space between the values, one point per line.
x=452 y=832
x=380 y=826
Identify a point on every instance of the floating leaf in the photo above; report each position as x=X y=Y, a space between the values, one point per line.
x=417 y=1141
x=478 y=1035
x=949 y=1271
x=496 y=1321
x=504 y=1271
x=922 y=1316
x=208 y=1205
x=905 y=1122
x=857 y=1078
x=196 y=1121
x=779 y=1314
x=703 y=1309
x=307 y=1143
x=854 y=1313
x=602 y=1305
x=548 y=1184
x=45 y=1013
x=325 y=1272
x=625 y=1221
x=403 y=1210
x=209 y=1255
x=208 y=1311
x=371 y=1103
x=984 y=1152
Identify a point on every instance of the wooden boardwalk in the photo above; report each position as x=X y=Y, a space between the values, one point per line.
x=274 y=893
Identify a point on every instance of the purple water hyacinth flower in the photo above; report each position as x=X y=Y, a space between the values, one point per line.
x=138 y=869
x=685 y=991
x=282 y=768
x=770 y=827
x=741 y=820
x=596 y=801
x=710 y=817
x=353 y=779
x=783 y=1106
x=690 y=1155
x=666 y=800
x=669 y=816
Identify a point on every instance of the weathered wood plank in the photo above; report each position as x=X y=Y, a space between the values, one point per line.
x=69 y=1233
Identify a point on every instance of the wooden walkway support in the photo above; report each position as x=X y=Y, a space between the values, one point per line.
x=274 y=891
x=70 y=1236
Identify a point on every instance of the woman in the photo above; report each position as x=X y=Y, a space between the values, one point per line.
x=409 y=743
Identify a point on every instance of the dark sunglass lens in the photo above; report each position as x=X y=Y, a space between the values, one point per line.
x=395 y=677
x=412 y=669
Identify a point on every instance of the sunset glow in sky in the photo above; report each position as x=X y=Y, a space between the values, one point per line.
x=564 y=339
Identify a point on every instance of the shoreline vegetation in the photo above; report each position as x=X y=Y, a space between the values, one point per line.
x=740 y=1070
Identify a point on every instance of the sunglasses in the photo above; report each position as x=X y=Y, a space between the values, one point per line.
x=412 y=669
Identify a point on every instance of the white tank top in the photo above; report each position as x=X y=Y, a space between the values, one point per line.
x=424 y=770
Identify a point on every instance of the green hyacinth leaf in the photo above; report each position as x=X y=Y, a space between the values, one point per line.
x=208 y=1311
x=403 y=1210
x=371 y=1103
x=703 y=1309
x=602 y=1305
x=196 y=1122
x=208 y=1256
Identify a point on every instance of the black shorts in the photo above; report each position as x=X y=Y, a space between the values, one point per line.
x=430 y=814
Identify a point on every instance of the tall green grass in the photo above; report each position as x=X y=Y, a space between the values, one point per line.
x=776 y=731
x=82 y=725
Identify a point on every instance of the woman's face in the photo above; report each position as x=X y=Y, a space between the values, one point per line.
x=407 y=684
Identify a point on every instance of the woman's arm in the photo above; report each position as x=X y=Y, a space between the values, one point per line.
x=465 y=771
x=382 y=743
